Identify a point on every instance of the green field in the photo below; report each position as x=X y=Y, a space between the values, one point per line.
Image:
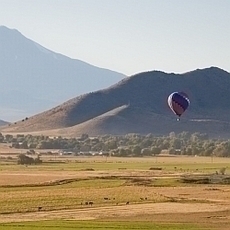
x=86 y=225
x=205 y=164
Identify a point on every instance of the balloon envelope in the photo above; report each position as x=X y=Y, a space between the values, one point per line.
x=178 y=102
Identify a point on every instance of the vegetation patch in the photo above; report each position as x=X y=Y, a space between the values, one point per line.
x=49 y=183
x=208 y=179
x=196 y=180
x=105 y=225
x=155 y=168
x=88 y=169
x=138 y=182
x=226 y=180
x=130 y=145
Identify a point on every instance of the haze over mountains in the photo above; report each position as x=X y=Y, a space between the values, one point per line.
x=34 y=78
x=138 y=104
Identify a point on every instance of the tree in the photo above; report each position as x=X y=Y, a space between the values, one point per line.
x=136 y=150
x=37 y=160
x=146 y=152
x=112 y=144
x=146 y=143
x=25 y=160
x=184 y=135
x=122 y=152
x=1 y=138
x=222 y=150
x=24 y=145
x=172 y=151
x=155 y=150
x=84 y=136
x=176 y=143
x=9 y=138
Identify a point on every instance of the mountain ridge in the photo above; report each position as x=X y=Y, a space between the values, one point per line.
x=48 y=77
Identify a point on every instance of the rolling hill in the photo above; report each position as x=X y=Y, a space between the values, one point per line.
x=36 y=79
x=138 y=104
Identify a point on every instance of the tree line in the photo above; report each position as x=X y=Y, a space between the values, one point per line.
x=132 y=144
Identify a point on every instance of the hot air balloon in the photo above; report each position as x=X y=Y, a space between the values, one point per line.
x=178 y=103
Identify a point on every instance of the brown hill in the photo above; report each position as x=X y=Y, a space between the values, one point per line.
x=138 y=104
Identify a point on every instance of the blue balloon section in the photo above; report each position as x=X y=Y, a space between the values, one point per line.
x=178 y=102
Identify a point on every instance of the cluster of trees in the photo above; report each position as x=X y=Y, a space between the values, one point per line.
x=127 y=145
x=26 y=160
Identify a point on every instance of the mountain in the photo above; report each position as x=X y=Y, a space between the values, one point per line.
x=2 y=123
x=36 y=79
x=138 y=104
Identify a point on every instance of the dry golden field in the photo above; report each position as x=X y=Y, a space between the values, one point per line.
x=119 y=188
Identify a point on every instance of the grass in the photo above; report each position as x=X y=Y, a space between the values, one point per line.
x=22 y=193
x=68 y=185
x=202 y=164
x=27 y=199
x=87 y=225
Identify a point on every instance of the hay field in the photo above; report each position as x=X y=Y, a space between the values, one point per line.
x=118 y=189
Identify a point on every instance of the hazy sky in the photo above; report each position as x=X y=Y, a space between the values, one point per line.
x=128 y=36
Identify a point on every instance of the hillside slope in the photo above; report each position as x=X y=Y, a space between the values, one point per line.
x=140 y=105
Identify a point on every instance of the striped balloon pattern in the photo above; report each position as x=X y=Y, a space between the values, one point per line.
x=178 y=102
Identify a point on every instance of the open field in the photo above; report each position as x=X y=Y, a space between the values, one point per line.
x=102 y=225
x=115 y=193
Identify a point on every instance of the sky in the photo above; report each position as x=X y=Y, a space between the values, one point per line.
x=128 y=36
